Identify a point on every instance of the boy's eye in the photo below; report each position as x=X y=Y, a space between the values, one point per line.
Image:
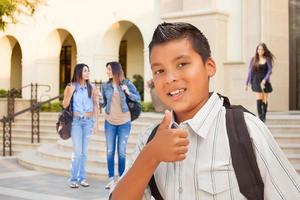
x=181 y=65
x=158 y=71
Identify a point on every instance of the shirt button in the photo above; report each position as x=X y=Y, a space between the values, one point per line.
x=180 y=190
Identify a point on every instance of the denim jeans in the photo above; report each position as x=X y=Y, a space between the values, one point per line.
x=116 y=134
x=81 y=132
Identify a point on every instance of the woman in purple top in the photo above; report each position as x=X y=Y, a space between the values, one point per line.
x=260 y=70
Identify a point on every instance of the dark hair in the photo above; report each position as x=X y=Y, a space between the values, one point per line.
x=77 y=76
x=166 y=32
x=117 y=70
x=267 y=54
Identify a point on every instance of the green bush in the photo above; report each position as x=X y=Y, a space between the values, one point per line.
x=147 y=107
x=52 y=107
x=15 y=93
x=3 y=93
x=138 y=81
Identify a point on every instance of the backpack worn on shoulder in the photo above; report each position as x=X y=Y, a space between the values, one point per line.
x=64 y=123
x=242 y=153
x=135 y=107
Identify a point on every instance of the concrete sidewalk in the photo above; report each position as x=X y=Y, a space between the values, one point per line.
x=18 y=183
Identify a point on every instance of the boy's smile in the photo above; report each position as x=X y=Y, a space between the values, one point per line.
x=180 y=77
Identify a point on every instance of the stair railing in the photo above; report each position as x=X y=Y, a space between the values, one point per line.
x=13 y=93
x=35 y=124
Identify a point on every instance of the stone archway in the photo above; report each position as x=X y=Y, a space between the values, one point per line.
x=133 y=58
x=10 y=63
x=67 y=62
x=56 y=60
x=123 y=42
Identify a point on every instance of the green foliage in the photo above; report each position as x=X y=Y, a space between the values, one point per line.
x=15 y=93
x=138 y=81
x=147 y=107
x=10 y=9
x=52 y=107
x=3 y=93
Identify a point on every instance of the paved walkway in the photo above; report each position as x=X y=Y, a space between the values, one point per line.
x=18 y=183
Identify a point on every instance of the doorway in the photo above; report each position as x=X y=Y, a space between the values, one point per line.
x=294 y=16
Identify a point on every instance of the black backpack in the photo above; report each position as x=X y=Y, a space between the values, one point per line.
x=64 y=122
x=242 y=153
x=135 y=107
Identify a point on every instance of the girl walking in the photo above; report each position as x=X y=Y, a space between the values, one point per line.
x=260 y=70
x=117 y=117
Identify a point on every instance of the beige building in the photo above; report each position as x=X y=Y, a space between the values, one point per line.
x=44 y=48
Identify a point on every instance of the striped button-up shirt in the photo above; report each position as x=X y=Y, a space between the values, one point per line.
x=207 y=172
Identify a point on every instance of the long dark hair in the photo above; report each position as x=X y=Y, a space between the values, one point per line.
x=267 y=54
x=77 y=77
x=117 y=71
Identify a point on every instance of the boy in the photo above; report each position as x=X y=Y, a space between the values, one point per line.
x=194 y=160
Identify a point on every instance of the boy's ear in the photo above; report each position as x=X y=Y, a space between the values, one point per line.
x=210 y=66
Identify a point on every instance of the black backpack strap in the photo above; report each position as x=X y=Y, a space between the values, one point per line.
x=152 y=184
x=70 y=107
x=243 y=156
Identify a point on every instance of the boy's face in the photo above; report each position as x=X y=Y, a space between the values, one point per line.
x=180 y=77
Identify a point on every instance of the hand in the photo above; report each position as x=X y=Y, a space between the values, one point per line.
x=246 y=88
x=125 y=89
x=262 y=84
x=100 y=97
x=169 y=145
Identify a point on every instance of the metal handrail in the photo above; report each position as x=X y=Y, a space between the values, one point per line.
x=34 y=106
x=35 y=123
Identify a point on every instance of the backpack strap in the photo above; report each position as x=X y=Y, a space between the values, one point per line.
x=70 y=107
x=243 y=156
x=152 y=184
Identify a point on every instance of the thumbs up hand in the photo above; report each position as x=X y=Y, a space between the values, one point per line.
x=169 y=145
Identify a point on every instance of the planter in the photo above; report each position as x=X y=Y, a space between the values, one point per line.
x=158 y=105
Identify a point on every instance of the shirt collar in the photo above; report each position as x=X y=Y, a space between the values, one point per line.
x=78 y=86
x=204 y=118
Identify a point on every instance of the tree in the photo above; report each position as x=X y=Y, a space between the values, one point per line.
x=11 y=9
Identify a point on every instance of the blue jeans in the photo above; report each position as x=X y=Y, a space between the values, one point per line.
x=80 y=133
x=116 y=134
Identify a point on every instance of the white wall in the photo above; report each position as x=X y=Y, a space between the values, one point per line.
x=88 y=22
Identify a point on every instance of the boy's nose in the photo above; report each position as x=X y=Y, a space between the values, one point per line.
x=171 y=77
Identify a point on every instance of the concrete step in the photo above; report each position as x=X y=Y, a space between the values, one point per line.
x=284 y=128
x=26 y=137
x=51 y=129
x=136 y=125
x=294 y=158
x=19 y=146
x=290 y=148
x=95 y=148
x=46 y=137
x=293 y=138
x=287 y=118
x=297 y=168
x=32 y=160
x=52 y=152
x=144 y=117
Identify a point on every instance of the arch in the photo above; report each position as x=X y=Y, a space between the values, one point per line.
x=10 y=63
x=123 y=41
x=51 y=67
